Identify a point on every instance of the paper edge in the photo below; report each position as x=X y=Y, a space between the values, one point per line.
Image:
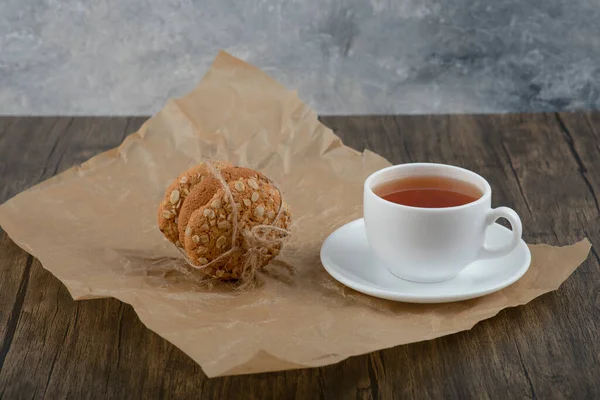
x=224 y=58
x=238 y=370
x=284 y=365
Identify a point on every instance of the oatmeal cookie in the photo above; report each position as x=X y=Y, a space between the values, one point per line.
x=207 y=219
x=175 y=195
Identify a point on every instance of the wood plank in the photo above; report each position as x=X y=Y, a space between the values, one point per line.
x=25 y=144
x=15 y=266
x=547 y=349
x=46 y=339
x=558 y=340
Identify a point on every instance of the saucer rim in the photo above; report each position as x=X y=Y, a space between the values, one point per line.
x=414 y=298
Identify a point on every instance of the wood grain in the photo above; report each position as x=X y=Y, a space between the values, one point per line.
x=545 y=166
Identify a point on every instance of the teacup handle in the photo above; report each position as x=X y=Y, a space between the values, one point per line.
x=517 y=230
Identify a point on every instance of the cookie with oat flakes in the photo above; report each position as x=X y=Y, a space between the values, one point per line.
x=203 y=192
x=175 y=195
x=210 y=229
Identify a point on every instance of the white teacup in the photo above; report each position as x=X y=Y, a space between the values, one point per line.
x=432 y=244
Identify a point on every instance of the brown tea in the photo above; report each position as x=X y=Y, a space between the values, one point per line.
x=428 y=191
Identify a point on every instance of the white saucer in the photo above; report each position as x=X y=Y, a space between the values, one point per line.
x=347 y=257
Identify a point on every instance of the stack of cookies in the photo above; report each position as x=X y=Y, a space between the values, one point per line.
x=230 y=221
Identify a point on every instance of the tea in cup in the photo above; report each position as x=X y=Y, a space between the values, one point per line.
x=427 y=222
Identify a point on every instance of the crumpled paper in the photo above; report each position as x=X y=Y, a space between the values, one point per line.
x=94 y=227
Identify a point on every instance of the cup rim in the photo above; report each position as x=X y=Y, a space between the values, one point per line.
x=485 y=196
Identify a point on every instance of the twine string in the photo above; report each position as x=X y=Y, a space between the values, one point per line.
x=259 y=237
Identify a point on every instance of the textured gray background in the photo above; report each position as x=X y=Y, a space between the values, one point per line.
x=377 y=56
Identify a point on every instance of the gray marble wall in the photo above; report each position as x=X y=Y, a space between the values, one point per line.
x=343 y=56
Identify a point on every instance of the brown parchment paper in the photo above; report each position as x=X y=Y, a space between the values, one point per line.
x=94 y=227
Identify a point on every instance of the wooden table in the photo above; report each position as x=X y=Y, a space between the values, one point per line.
x=545 y=166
